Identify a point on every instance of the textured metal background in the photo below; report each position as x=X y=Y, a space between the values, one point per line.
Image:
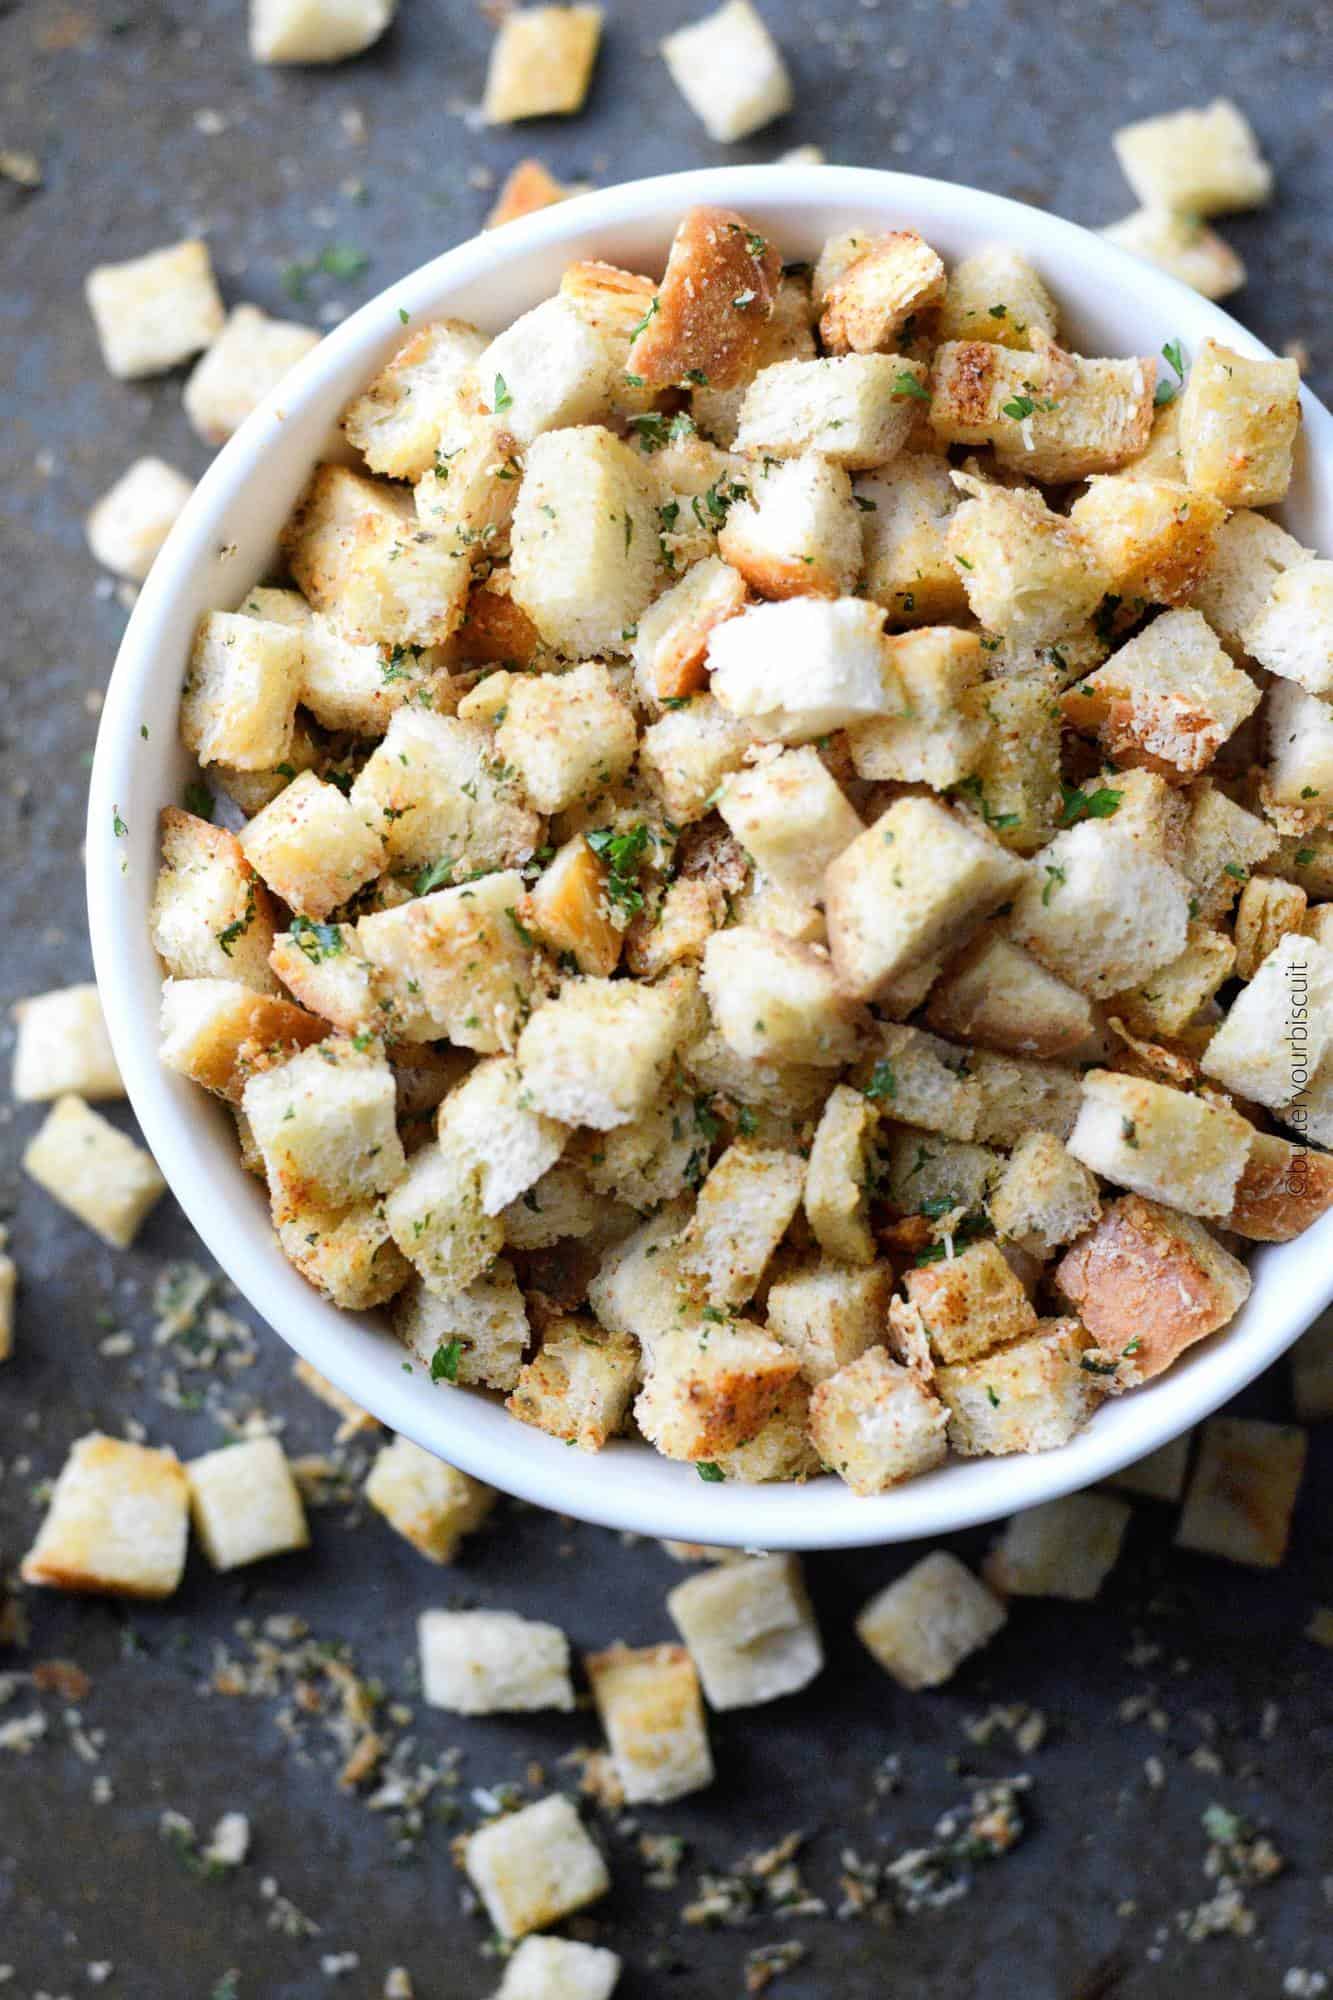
x=149 y=121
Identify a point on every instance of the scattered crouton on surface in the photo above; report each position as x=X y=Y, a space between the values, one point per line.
x=249 y=358
x=750 y=1630
x=730 y=71
x=528 y=187
x=94 y=1171
x=1195 y=163
x=649 y=1704
x=550 y=1968
x=315 y=31
x=1159 y=1476
x=923 y=1626
x=1182 y=245
x=492 y=1662
x=1065 y=1548
x=117 y=1522
x=426 y=1501
x=1238 y=423
x=541 y=63
x=62 y=1047
x=1241 y=1498
x=133 y=518
x=535 y=1866
x=155 y=311
x=1032 y=1395
x=245 y=1504
x=876 y=1423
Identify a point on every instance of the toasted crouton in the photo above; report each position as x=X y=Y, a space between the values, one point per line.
x=925 y=1624
x=1148 y=1282
x=677 y=932
x=426 y=1501
x=1193 y=162
x=797 y=534
x=791 y=817
x=648 y=1701
x=248 y=359
x=829 y=1313
x=584 y=541
x=541 y=63
x=1268 y=909
x=579 y=1385
x=1168 y=699
x=868 y=304
x=245 y=1503
x=1176 y=994
x=875 y=1423
x=671 y=642
x=712 y=1387
x=556 y=1968
x=905 y=510
x=315 y=31
x=216 y=1030
x=1029 y=575
x=936 y=741
x=1238 y=424
x=337 y=510
x=116 y=1525
x=997 y=295
x=322 y=968
x=997 y=994
x=787 y=336
x=569 y=909
x=132 y=520
x=1182 y=245
x=921 y=1080
x=569 y=736
x=637 y=1286
x=1152 y=539
x=1104 y=911
x=400 y=420
x=1222 y=843
x=492 y=1663
x=1065 y=1549
x=454 y=964
x=730 y=71
x=212 y=917
x=970 y=1303
x=855 y=409
x=750 y=1630
x=1030 y=1396
x=488 y=1117
x=1312 y=1372
x=535 y=1866
x=404 y=585
x=62 y=1047
x=475 y=1334
x=312 y=847
x=744 y=1209
x=1048 y=415
x=435 y=1217
x=1243 y=1493
x=94 y=1171
x=324 y=1122
x=1299 y=732
x=1292 y=633
x=241 y=691
x=348 y=1254
x=1282 y=1190
x=598 y=1053
x=927 y=1172
x=528 y=187
x=548 y=370
x=795 y=671
x=435 y=789
x=155 y=311
x=1280 y=1028
x=689 y=751
x=1043 y=1197
x=837 y=1195
x=777 y=1001
x=1186 y=1151
x=1249 y=556
x=717 y=291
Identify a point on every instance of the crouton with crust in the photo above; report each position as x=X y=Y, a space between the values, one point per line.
x=671 y=641
x=828 y=1312
x=1152 y=539
x=1195 y=162
x=1048 y=415
x=598 y=1053
x=154 y=312
x=875 y=1423
x=970 y=1303
x=580 y=1383
x=792 y=818
x=718 y=289
x=453 y=964
x=1283 y=1189
x=541 y=63
x=1028 y=573
x=241 y=690
x=1268 y=910
x=922 y=1627
x=905 y=509
x=216 y=1031
x=711 y=1388
x=743 y=1211
x=777 y=1001
x=492 y=1663
x=116 y=1525
x=568 y=908
x=249 y=358
x=797 y=533
x=1238 y=423
x=94 y=1171
x=1033 y=1395
x=401 y=418
x=1168 y=699
x=868 y=304
x=995 y=993
x=649 y=1704
x=997 y=295
x=837 y=1194
x=584 y=541
x=1100 y=910
x=324 y=1122
x=429 y=1503
x=1043 y=1197
x=856 y=410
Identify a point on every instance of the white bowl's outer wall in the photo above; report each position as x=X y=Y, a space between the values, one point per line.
x=225 y=542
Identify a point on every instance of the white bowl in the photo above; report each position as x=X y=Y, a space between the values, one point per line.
x=225 y=542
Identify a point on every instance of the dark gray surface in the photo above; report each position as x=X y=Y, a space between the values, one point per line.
x=1020 y=98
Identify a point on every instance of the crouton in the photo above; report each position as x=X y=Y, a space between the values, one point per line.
x=552 y=1968
x=435 y=1217
x=338 y=510
x=1312 y=1372
x=474 y=1334
x=671 y=642
x=652 y=1159
x=1176 y=994
x=1268 y=909
x=579 y=1385
x=323 y=969
x=1151 y=539
x=315 y=31
x=1065 y=1549
x=247 y=360
x=1168 y=699
x=677 y=931
x=797 y=534
x=116 y=1524
x=776 y=1001
x=997 y=994
x=837 y=1193
x=1194 y=162
x=598 y=1053
x=997 y=295
x=215 y=1030
x=750 y=1630
x=212 y=917
x=436 y=789
x=347 y=1254
x=1014 y=1094
x=453 y=964
x=1049 y=415
x=62 y=1047
x=795 y=671
x=1159 y=1476
x=535 y=1866
x=1182 y=245
x=1222 y=843
x=1028 y=574
x=786 y=336
x=1185 y=1151
x=1043 y=1197
x=399 y=422
x=868 y=303
x=1292 y=633
x=155 y=311
x=547 y=371
x=133 y=518
x=1104 y=912
x=935 y=741
x=637 y=1288
x=1238 y=424
x=914 y=881
x=925 y=1624
x=1279 y=1029
x=1249 y=556
x=857 y=410
x=613 y=302
x=9 y=1279
x=905 y=511
x=488 y=1119
x=1030 y=1396
x=730 y=71
x=829 y=1313
x=528 y=187
x=241 y=691
x=584 y=542
x=245 y=1503
x=780 y=1449
x=468 y=495
x=875 y=1423
x=716 y=293
x=94 y=1171
x=1243 y=1493
x=1299 y=733
x=404 y=586
x=744 y=1209
x=648 y=1700
x=711 y=1387
x=541 y=63
x=792 y=818
x=1012 y=782
x=424 y=1500
x=492 y=1663
x=496 y=631
x=312 y=847
x=569 y=736
x=1283 y=1189
x=970 y=1303
x=324 y=1122
x=929 y=1173
x=689 y=751
x=1147 y=1283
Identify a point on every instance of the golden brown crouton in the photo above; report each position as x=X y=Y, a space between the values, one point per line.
x=528 y=187
x=1282 y=1190
x=970 y=1303
x=718 y=290
x=216 y=1031
x=866 y=306
x=1241 y=1498
x=712 y=1387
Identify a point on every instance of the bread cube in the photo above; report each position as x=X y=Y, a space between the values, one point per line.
x=1033 y=1395
x=569 y=736
x=1183 y=246
x=427 y=1502
x=561 y=1205
x=1250 y=555
x=1043 y=1197
x=875 y=1423
x=925 y=1624
x=1238 y=424
x=837 y=1196
x=705 y=322
x=1176 y=994
x=730 y=71
x=535 y=1866
x=248 y=359
x=245 y=1503
x=570 y=910
x=454 y=964
x=648 y=1701
x=315 y=31
x=913 y=882
x=488 y=1119
x=215 y=1031
x=492 y=1663
x=637 y=1288
x=791 y=817
x=312 y=846
x=744 y=1209
x=776 y=1001
x=1243 y=1493
x=935 y=741
x=1312 y=1372
x=1279 y=1029
x=1148 y=1282
x=473 y=1333
x=584 y=540
x=94 y=1171
x=1193 y=162
x=322 y=967
x=830 y=1313
x=550 y=1968
x=795 y=671
x=131 y=521
x=671 y=642
x=857 y=410
x=241 y=691
x=405 y=586
x=347 y=1254
x=677 y=932
x=1222 y=843
x=1168 y=699
x=549 y=370
x=62 y=1047
x=971 y=1303
x=1105 y=912
x=436 y=788
x=324 y=1123
x=711 y=1387
x=905 y=511
x=468 y=495
x=1166 y=1144
x=1267 y=911
x=1292 y=633
x=997 y=994
x=579 y=1385
x=652 y=1159
x=598 y=1054
x=996 y=295
x=780 y=1449
x=1299 y=732
x=924 y=1171
x=435 y=1216
x=400 y=420
x=1151 y=539
x=1028 y=574
x=1159 y=1476
x=116 y=1524
x=155 y=311
x=613 y=302
x=1066 y=1548
x=212 y=917
x=1049 y=415
x=349 y=686
x=689 y=751
x=541 y=63
x=787 y=336
x=1283 y=1189
x=798 y=534
x=869 y=302
x=750 y=1630
x=338 y=512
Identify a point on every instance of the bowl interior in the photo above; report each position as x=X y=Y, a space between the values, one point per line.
x=226 y=541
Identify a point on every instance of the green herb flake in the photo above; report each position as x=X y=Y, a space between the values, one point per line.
x=444 y=1362
x=711 y=1474
x=1076 y=804
x=907 y=384
x=883 y=1083
x=501 y=400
